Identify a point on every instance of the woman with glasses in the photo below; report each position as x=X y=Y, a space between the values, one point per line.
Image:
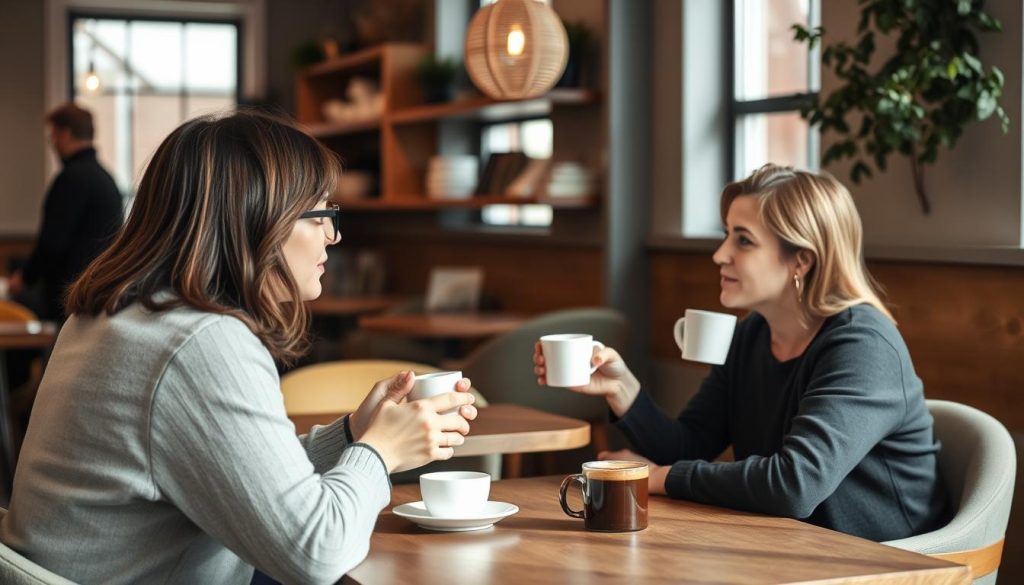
x=159 y=450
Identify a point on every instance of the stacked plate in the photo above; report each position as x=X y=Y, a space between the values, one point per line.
x=571 y=179
x=452 y=176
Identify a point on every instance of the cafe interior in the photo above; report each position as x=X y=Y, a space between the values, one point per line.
x=516 y=169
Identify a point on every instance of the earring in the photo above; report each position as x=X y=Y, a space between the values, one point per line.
x=799 y=291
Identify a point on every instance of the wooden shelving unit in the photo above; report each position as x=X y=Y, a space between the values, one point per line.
x=404 y=137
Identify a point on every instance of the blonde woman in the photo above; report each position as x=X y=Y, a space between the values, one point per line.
x=818 y=396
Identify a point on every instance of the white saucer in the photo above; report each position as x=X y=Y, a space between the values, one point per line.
x=493 y=512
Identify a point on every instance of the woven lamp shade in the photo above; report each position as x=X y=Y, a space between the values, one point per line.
x=516 y=49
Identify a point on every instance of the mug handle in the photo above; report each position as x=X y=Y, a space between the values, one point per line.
x=578 y=478
x=597 y=345
x=677 y=332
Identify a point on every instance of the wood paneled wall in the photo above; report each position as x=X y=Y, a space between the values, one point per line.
x=964 y=324
x=522 y=277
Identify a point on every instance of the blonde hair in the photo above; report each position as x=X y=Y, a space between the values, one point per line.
x=814 y=212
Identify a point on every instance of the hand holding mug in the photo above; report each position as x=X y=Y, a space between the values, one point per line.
x=611 y=378
x=412 y=434
x=396 y=389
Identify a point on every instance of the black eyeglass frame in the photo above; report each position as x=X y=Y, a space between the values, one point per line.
x=333 y=211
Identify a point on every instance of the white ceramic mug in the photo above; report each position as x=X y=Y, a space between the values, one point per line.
x=434 y=383
x=704 y=336
x=455 y=494
x=567 y=358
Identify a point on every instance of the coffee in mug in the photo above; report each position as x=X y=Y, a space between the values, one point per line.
x=704 y=336
x=567 y=358
x=614 y=495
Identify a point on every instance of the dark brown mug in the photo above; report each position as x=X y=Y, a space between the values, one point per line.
x=614 y=495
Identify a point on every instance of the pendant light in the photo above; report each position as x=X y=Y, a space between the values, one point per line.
x=516 y=49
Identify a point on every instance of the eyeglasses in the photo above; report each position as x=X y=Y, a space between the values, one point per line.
x=332 y=229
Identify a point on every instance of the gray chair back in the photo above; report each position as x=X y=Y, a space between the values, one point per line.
x=17 y=570
x=978 y=464
x=502 y=368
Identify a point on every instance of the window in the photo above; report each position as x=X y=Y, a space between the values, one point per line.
x=773 y=76
x=143 y=77
x=534 y=138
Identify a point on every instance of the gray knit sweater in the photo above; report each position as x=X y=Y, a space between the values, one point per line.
x=159 y=452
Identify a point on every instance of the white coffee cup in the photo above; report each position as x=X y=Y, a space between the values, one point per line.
x=434 y=383
x=567 y=358
x=455 y=494
x=704 y=336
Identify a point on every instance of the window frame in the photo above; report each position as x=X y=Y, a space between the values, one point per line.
x=737 y=108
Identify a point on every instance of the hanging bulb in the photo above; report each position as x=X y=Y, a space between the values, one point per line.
x=92 y=80
x=516 y=41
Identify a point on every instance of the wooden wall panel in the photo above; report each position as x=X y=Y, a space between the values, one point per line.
x=964 y=324
x=522 y=278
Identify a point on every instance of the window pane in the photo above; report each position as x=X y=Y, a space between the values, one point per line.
x=768 y=61
x=780 y=138
x=210 y=57
x=155 y=56
x=155 y=118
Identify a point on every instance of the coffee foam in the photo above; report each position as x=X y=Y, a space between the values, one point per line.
x=615 y=470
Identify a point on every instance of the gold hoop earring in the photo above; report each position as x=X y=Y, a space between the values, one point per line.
x=799 y=291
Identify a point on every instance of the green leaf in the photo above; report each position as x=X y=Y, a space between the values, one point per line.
x=986 y=105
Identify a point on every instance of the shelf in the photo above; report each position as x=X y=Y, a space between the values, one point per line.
x=420 y=203
x=366 y=59
x=331 y=129
x=488 y=109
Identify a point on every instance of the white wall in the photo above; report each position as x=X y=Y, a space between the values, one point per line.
x=22 y=145
x=975 y=190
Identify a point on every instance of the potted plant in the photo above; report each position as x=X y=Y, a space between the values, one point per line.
x=920 y=98
x=579 y=36
x=436 y=76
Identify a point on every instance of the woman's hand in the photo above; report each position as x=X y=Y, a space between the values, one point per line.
x=613 y=380
x=395 y=389
x=657 y=474
x=412 y=434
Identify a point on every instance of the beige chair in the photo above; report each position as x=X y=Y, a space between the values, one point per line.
x=340 y=386
x=978 y=464
x=17 y=570
x=12 y=312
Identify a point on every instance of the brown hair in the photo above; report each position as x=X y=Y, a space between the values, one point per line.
x=814 y=212
x=77 y=119
x=213 y=210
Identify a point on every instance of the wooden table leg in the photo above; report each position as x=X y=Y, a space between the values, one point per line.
x=511 y=465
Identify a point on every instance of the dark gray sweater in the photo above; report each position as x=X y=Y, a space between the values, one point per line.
x=840 y=436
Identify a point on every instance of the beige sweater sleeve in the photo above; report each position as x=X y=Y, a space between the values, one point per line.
x=223 y=451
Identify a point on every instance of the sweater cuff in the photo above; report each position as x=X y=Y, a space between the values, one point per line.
x=365 y=458
x=326 y=442
x=639 y=412
x=677 y=482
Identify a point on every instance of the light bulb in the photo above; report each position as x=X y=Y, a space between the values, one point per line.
x=516 y=41
x=92 y=81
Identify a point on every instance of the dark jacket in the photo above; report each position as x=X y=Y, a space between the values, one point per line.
x=81 y=214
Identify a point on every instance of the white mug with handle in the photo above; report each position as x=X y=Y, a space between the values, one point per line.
x=704 y=336
x=567 y=358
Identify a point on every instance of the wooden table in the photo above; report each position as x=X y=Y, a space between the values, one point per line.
x=685 y=543
x=15 y=335
x=501 y=428
x=443 y=325
x=349 y=306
